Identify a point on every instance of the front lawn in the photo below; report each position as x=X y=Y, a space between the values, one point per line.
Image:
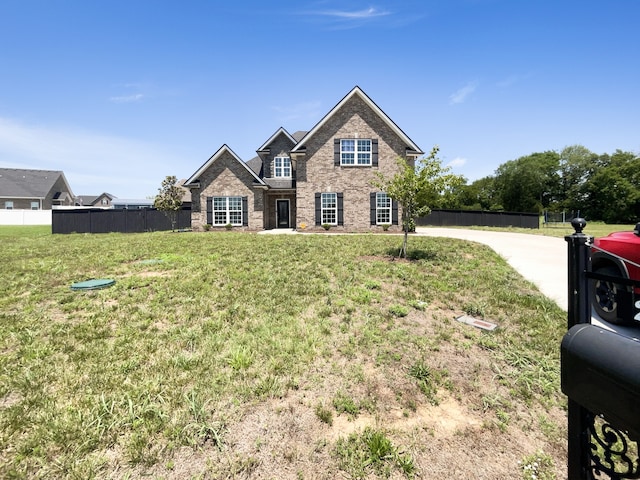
x=231 y=355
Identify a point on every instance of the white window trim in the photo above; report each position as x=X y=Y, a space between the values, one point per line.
x=283 y=168
x=380 y=209
x=37 y=205
x=227 y=212
x=355 y=152
x=333 y=209
x=8 y=205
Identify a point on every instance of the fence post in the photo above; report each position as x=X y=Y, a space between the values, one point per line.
x=579 y=258
x=578 y=311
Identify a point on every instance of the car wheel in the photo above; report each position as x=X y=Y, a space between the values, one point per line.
x=604 y=296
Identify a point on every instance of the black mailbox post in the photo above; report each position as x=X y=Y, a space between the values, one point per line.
x=600 y=370
x=600 y=374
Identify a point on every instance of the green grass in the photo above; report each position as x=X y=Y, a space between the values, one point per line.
x=594 y=229
x=179 y=350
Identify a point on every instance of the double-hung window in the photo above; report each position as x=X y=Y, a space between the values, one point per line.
x=227 y=210
x=282 y=167
x=8 y=205
x=329 y=209
x=355 y=151
x=383 y=209
x=35 y=205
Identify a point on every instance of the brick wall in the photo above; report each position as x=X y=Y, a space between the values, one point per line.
x=317 y=172
x=231 y=179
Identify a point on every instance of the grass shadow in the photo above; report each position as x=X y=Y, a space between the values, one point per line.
x=413 y=254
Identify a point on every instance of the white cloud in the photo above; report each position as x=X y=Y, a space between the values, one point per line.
x=457 y=162
x=368 y=13
x=127 y=98
x=512 y=80
x=461 y=95
x=92 y=162
x=347 y=19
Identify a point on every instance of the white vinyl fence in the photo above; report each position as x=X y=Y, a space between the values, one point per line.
x=25 y=217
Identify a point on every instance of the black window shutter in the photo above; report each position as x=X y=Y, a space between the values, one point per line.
x=318 y=209
x=374 y=152
x=340 y=209
x=336 y=152
x=245 y=211
x=372 y=204
x=210 y=210
x=394 y=212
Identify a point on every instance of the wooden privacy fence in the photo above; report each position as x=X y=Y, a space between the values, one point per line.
x=448 y=218
x=115 y=220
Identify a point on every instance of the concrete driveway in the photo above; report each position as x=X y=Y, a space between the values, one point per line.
x=541 y=260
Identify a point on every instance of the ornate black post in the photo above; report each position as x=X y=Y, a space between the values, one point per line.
x=579 y=258
x=578 y=311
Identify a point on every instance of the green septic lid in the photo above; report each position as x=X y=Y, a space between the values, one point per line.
x=93 y=284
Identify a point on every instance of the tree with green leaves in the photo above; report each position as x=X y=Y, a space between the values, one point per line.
x=529 y=184
x=417 y=187
x=169 y=199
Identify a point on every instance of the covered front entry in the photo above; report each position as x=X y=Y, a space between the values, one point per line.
x=283 y=214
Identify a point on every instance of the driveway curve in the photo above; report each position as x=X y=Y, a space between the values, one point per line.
x=541 y=260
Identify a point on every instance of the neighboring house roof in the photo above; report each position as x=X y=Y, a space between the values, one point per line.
x=300 y=146
x=23 y=183
x=88 y=200
x=124 y=202
x=224 y=148
x=281 y=130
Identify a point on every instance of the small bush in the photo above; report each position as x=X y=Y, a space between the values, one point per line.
x=326 y=226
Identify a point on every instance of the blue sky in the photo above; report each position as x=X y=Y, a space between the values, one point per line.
x=119 y=94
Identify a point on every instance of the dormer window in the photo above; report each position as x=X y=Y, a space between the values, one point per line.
x=282 y=167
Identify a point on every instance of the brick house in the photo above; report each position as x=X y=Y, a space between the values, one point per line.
x=308 y=180
x=22 y=189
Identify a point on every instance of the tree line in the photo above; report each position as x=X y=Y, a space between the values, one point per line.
x=601 y=187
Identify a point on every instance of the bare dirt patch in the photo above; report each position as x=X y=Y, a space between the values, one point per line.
x=473 y=431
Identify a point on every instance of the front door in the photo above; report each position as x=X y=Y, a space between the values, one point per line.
x=282 y=213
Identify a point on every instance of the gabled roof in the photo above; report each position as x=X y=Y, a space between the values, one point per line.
x=281 y=130
x=255 y=164
x=224 y=148
x=358 y=91
x=88 y=200
x=23 y=183
x=299 y=135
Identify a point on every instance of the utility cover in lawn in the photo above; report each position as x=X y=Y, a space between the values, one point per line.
x=93 y=284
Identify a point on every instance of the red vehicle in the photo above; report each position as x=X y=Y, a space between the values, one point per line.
x=617 y=255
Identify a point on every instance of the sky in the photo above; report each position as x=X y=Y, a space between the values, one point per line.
x=118 y=94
